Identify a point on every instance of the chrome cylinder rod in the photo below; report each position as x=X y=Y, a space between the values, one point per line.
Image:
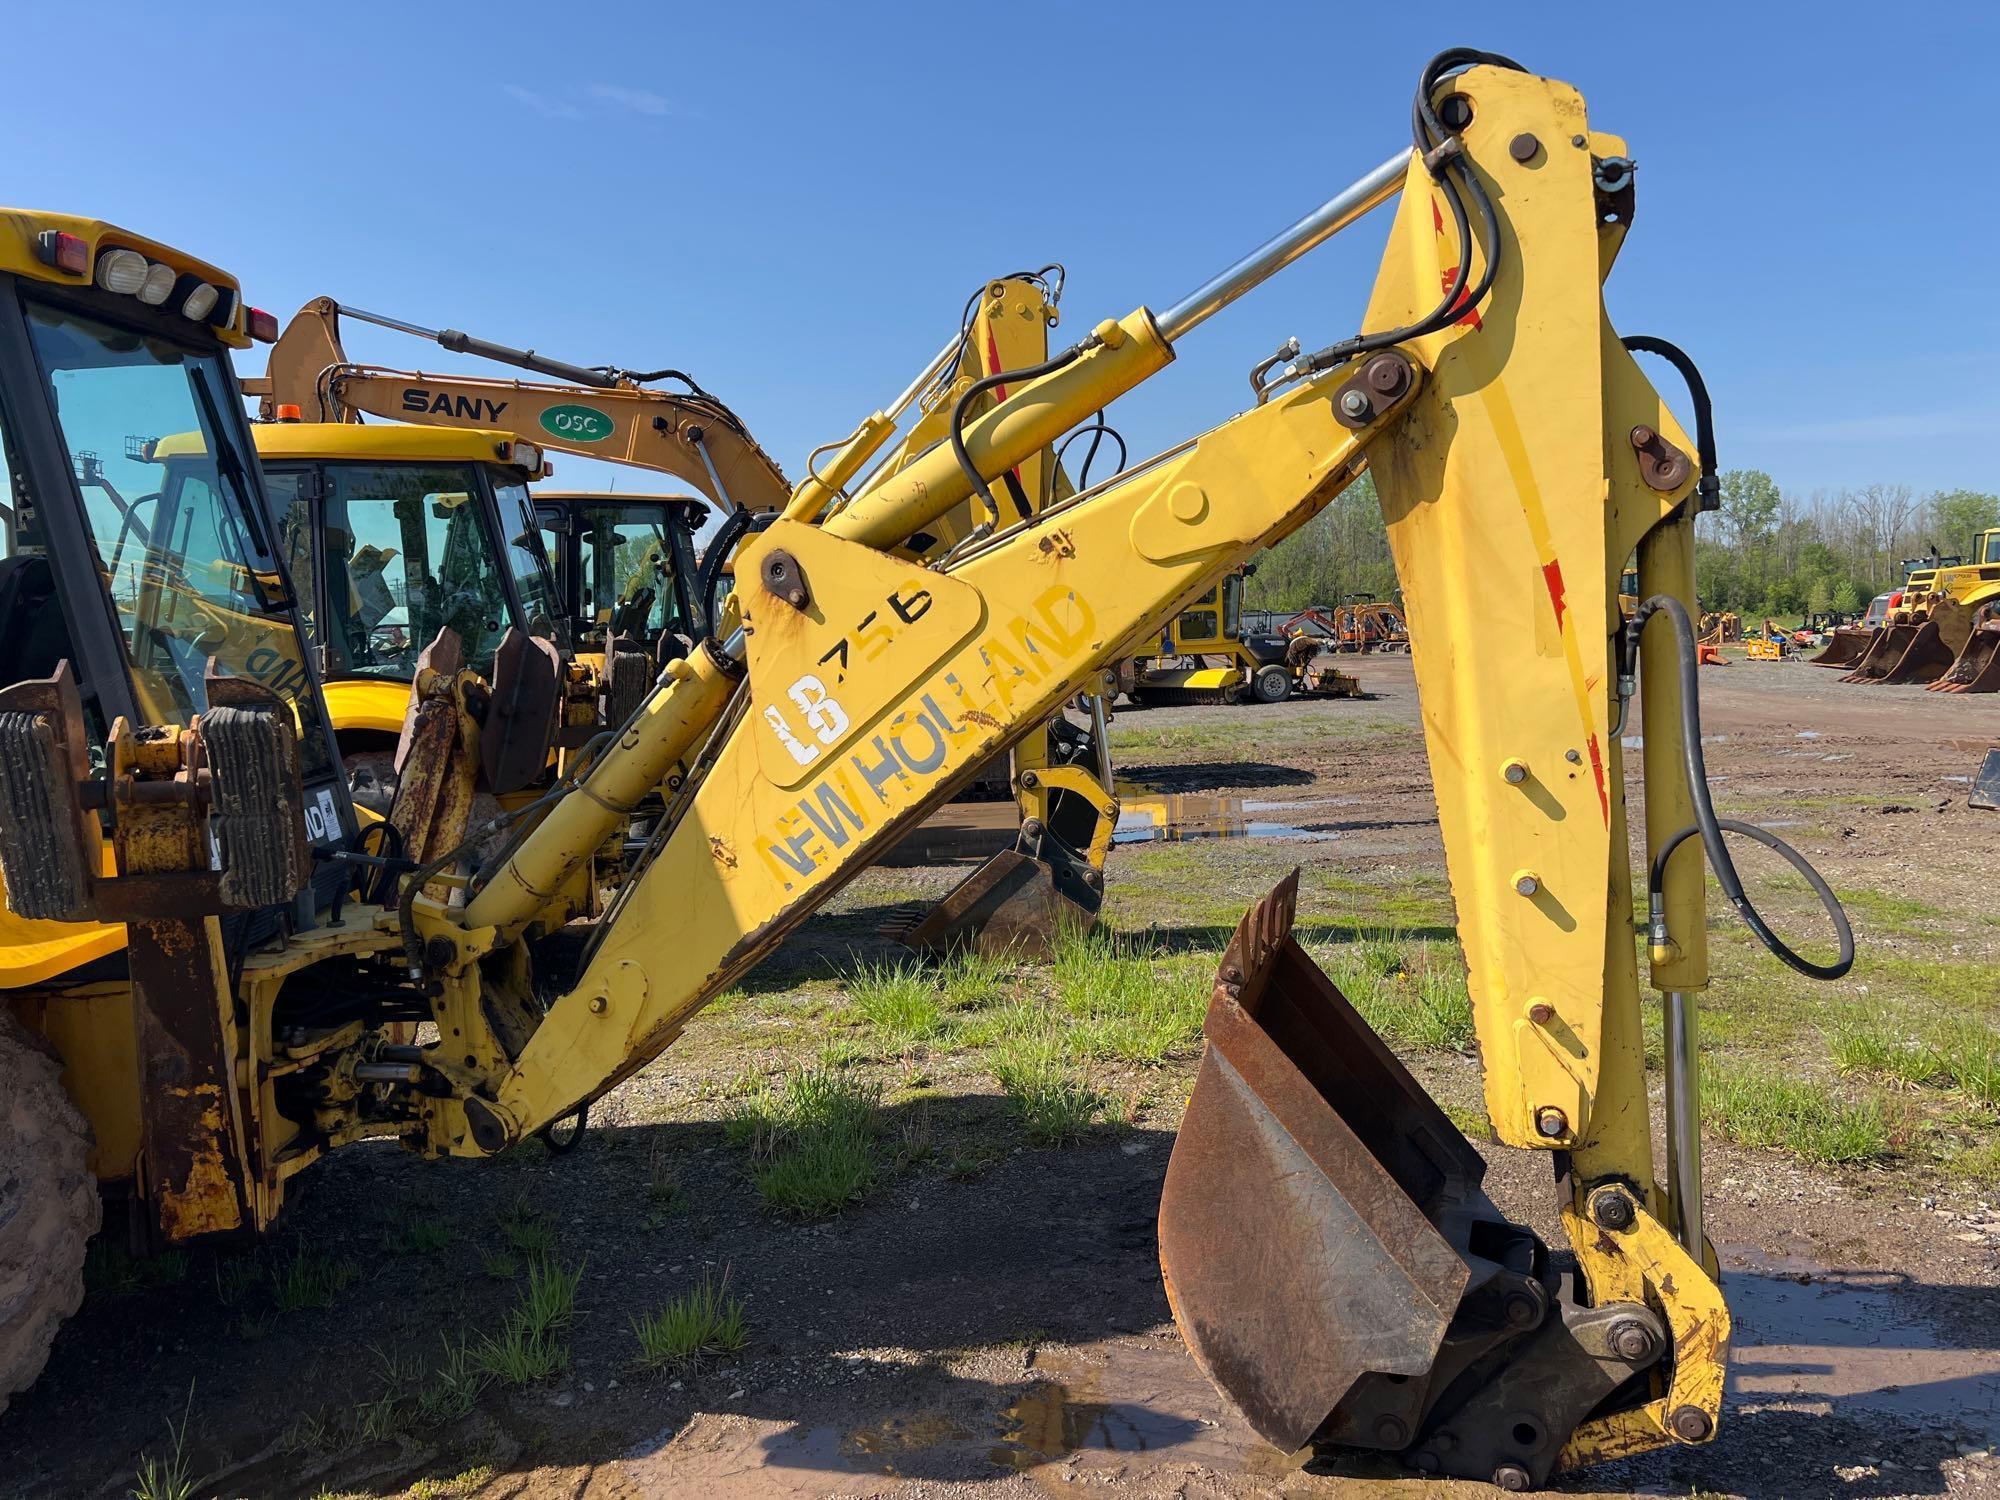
x=1100 y=739
x=1683 y=1098
x=1317 y=227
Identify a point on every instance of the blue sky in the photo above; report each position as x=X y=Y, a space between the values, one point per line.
x=792 y=201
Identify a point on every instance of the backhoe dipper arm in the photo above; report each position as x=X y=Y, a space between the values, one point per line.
x=615 y=417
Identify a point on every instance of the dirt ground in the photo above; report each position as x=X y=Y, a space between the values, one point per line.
x=987 y=1318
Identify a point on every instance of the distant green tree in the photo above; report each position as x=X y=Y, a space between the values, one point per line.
x=1819 y=595
x=1957 y=516
x=1750 y=506
x=1847 y=598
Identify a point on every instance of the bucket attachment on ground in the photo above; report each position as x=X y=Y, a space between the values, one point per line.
x=1331 y=1259
x=1986 y=785
x=1977 y=667
x=1920 y=650
x=1846 y=646
x=1015 y=904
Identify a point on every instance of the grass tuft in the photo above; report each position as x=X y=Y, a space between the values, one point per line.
x=898 y=1000
x=1055 y=1103
x=168 y=1478
x=815 y=1144
x=706 y=1320
x=308 y=1278
x=1757 y=1107
x=532 y=1343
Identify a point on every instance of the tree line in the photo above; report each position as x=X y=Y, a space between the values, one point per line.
x=1765 y=552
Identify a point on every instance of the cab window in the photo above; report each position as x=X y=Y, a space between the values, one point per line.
x=405 y=556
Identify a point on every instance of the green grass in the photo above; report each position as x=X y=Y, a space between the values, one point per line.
x=1409 y=992
x=1958 y=1054
x=1055 y=1103
x=527 y=1230
x=899 y=1000
x=1758 y=1106
x=706 y=1320
x=533 y=1343
x=308 y=1278
x=972 y=980
x=108 y=1268
x=418 y=1236
x=1122 y=1003
x=814 y=1145
x=171 y=1477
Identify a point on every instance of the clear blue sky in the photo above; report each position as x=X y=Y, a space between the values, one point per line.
x=792 y=201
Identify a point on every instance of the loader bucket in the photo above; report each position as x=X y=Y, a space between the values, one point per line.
x=1326 y=1248
x=1919 y=650
x=1977 y=669
x=1986 y=785
x=1845 y=648
x=1012 y=905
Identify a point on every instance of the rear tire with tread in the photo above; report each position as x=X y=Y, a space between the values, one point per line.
x=1272 y=684
x=49 y=1206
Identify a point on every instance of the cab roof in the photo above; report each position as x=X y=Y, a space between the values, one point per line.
x=393 y=442
x=21 y=231
x=620 y=497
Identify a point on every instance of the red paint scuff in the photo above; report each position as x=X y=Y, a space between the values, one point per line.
x=1552 y=575
x=1597 y=769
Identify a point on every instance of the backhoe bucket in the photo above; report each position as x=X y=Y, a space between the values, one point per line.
x=1845 y=648
x=1986 y=785
x=1977 y=669
x=1328 y=1254
x=1013 y=905
x=1900 y=653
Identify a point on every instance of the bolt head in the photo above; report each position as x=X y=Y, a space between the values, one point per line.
x=1512 y=1478
x=1691 y=1424
x=1541 y=1013
x=1523 y=147
x=1551 y=1124
x=1526 y=885
x=1642 y=436
x=1387 y=375
x=1355 y=404
x=1516 y=772
x=1631 y=1340
x=1521 y=1310
x=1574 y=757
x=1611 y=1209
x=1391 y=1432
x=599 y=1005
x=1578 y=141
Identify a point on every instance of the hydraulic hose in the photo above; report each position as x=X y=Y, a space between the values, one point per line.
x=720 y=547
x=1712 y=828
x=1709 y=486
x=979 y=388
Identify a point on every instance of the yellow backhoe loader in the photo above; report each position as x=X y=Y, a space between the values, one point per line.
x=1330 y=1256
x=1206 y=656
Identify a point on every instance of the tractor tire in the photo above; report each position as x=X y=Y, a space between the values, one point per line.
x=1272 y=684
x=49 y=1206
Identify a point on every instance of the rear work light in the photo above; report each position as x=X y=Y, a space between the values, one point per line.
x=158 y=285
x=197 y=298
x=526 y=455
x=64 y=251
x=122 y=271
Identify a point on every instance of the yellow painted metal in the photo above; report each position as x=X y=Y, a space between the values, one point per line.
x=399 y=442
x=668 y=728
x=822 y=486
x=91 y=1027
x=1127 y=352
x=1643 y=1264
x=1057 y=600
x=366 y=703
x=1517 y=416
x=20 y=228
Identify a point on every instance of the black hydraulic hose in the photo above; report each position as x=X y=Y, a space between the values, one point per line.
x=979 y=388
x=720 y=547
x=1099 y=430
x=1439 y=148
x=1711 y=828
x=1709 y=487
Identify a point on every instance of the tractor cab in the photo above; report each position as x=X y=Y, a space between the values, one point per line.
x=140 y=587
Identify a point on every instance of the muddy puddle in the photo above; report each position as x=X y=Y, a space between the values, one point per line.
x=1822 y=1340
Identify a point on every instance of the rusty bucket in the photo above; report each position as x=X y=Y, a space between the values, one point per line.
x=1977 y=667
x=1845 y=647
x=1329 y=1256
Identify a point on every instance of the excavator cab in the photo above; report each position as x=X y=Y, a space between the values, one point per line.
x=625 y=568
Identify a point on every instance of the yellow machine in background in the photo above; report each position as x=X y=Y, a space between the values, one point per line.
x=1329 y=1253
x=1206 y=656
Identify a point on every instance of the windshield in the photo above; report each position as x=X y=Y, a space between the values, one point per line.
x=627 y=557
x=527 y=559
x=406 y=555
x=188 y=570
x=1989 y=548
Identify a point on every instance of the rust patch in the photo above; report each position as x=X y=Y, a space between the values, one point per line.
x=720 y=851
x=980 y=717
x=1608 y=1246
x=1058 y=546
